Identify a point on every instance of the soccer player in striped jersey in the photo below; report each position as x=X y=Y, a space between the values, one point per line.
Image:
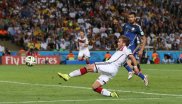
x=137 y=42
x=108 y=69
x=82 y=46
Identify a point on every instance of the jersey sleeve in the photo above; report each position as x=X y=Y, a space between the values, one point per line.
x=128 y=51
x=86 y=41
x=140 y=31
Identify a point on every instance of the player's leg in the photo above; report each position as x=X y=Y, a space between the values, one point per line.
x=138 y=61
x=142 y=76
x=129 y=69
x=139 y=74
x=80 y=55
x=138 y=65
x=97 y=86
x=87 y=56
x=107 y=72
x=87 y=60
x=78 y=72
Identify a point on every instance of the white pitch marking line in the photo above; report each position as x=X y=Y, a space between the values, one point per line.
x=80 y=100
x=164 y=69
x=78 y=87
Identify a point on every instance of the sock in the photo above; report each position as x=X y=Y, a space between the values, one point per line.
x=99 y=90
x=127 y=67
x=83 y=70
x=102 y=91
x=106 y=92
x=75 y=73
x=141 y=75
x=87 y=61
x=78 y=72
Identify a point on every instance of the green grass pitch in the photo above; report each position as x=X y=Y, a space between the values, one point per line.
x=41 y=85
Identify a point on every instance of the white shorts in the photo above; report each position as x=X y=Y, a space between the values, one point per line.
x=107 y=71
x=84 y=53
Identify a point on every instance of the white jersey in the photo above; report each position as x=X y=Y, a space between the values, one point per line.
x=119 y=57
x=82 y=43
x=110 y=68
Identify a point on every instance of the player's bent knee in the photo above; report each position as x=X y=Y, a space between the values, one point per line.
x=94 y=87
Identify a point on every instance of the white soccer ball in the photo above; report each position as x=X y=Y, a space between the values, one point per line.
x=30 y=60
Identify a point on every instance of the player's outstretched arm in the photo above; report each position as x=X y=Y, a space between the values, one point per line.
x=143 y=39
x=134 y=61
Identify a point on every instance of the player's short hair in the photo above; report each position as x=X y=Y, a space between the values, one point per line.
x=132 y=13
x=125 y=39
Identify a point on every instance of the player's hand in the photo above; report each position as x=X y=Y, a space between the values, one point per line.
x=140 y=53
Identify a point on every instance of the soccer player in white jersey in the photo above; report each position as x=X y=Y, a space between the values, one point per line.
x=107 y=69
x=82 y=46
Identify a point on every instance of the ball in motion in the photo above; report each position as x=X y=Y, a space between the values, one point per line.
x=30 y=60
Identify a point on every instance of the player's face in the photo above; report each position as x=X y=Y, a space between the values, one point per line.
x=81 y=34
x=120 y=43
x=131 y=19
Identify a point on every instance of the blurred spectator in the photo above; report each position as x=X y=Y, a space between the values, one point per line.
x=32 y=52
x=43 y=45
x=22 y=52
x=148 y=60
x=180 y=58
x=29 y=23
x=70 y=56
x=144 y=59
x=30 y=45
x=6 y=52
x=171 y=60
x=107 y=56
x=166 y=59
x=62 y=45
x=157 y=60
x=37 y=45
x=1 y=48
x=155 y=57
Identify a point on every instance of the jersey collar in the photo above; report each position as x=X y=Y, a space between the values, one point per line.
x=121 y=49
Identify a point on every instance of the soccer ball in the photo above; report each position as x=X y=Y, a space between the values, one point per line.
x=30 y=60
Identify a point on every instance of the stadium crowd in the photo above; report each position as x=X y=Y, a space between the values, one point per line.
x=55 y=24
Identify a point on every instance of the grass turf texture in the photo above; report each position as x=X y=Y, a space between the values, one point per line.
x=40 y=84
